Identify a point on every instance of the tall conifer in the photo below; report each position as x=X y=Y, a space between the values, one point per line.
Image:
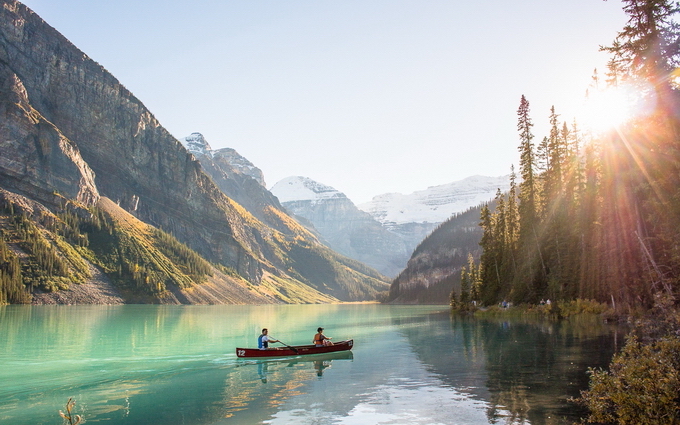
x=530 y=281
x=488 y=275
x=527 y=164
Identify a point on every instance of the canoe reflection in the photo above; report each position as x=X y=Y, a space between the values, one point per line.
x=319 y=362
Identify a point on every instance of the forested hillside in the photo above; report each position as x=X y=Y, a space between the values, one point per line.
x=435 y=265
x=597 y=214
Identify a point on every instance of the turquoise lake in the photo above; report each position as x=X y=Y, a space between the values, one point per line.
x=149 y=364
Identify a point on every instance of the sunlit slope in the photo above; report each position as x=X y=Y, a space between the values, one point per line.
x=218 y=286
x=59 y=258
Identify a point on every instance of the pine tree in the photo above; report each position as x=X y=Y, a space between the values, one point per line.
x=646 y=52
x=531 y=280
x=504 y=246
x=488 y=270
x=464 y=288
x=648 y=47
x=557 y=152
x=473 y=279
x=512 y=218
x=527 y=195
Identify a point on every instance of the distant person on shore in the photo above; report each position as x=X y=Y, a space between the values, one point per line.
x=264 y=340
x=321 y=340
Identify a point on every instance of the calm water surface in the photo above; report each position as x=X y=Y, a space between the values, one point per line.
x=144 y=364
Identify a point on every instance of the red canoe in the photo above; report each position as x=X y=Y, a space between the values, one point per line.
x=295 y=350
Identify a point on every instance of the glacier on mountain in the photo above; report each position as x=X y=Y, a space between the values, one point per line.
x=298 y=188
x=436 y=203
x=382 y=233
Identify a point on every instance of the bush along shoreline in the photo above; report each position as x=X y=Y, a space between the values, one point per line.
x=641 y=386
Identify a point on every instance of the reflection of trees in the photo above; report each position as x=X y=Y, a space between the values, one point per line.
x=526 y=370
x=533 y=368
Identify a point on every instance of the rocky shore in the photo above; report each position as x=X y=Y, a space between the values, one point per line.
x=97 y=290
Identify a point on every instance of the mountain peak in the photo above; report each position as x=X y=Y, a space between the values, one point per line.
x=298 y=188
x=240 y=163
x=196 y=144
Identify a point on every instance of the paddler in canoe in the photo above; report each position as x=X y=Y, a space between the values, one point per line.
x=321 y=340
x=320 y=345
x=263 y=341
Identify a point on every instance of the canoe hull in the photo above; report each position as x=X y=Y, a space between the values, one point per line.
x=297 y=350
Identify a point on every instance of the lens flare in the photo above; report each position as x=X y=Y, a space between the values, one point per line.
x=607 y=109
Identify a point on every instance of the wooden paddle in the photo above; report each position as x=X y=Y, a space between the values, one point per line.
x=292 y=348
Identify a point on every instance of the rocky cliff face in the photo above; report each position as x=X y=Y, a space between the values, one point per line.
x=346 y=229
x=36 y=158
x=138 y=164
x=67 y=121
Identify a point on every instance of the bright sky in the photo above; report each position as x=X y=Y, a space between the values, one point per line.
x=367 y=96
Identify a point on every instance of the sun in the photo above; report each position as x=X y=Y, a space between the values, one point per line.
x=608 y=109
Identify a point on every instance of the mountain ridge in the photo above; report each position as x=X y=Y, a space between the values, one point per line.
x=341 y=224
x=82 y=136
x=435 y=204
x=372 y=236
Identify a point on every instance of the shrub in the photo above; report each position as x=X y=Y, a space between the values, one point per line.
x=580 y=306
x=642 y=386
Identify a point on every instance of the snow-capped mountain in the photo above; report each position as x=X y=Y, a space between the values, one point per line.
x=383 y=232
x=199 y=146
x=297 y=188
x=344 y=227
x=434 y=204
x=196 y=144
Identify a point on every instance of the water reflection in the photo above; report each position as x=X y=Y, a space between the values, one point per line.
x=148 y=365
x=527 y=370
x=318 y=362
x=246 y=399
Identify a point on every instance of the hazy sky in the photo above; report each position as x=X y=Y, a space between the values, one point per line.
x=366 y=96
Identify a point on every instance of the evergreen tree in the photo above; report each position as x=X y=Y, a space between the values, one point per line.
x=527 y=195
x=512 y=220
x=599 y=220
x=648 y=47
x=557 y=151
x=503 y=250
x=464 y=288
x=530 y=281
x=488 y=271
x=12 y=289
x=473 y=279
x=646 y=52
